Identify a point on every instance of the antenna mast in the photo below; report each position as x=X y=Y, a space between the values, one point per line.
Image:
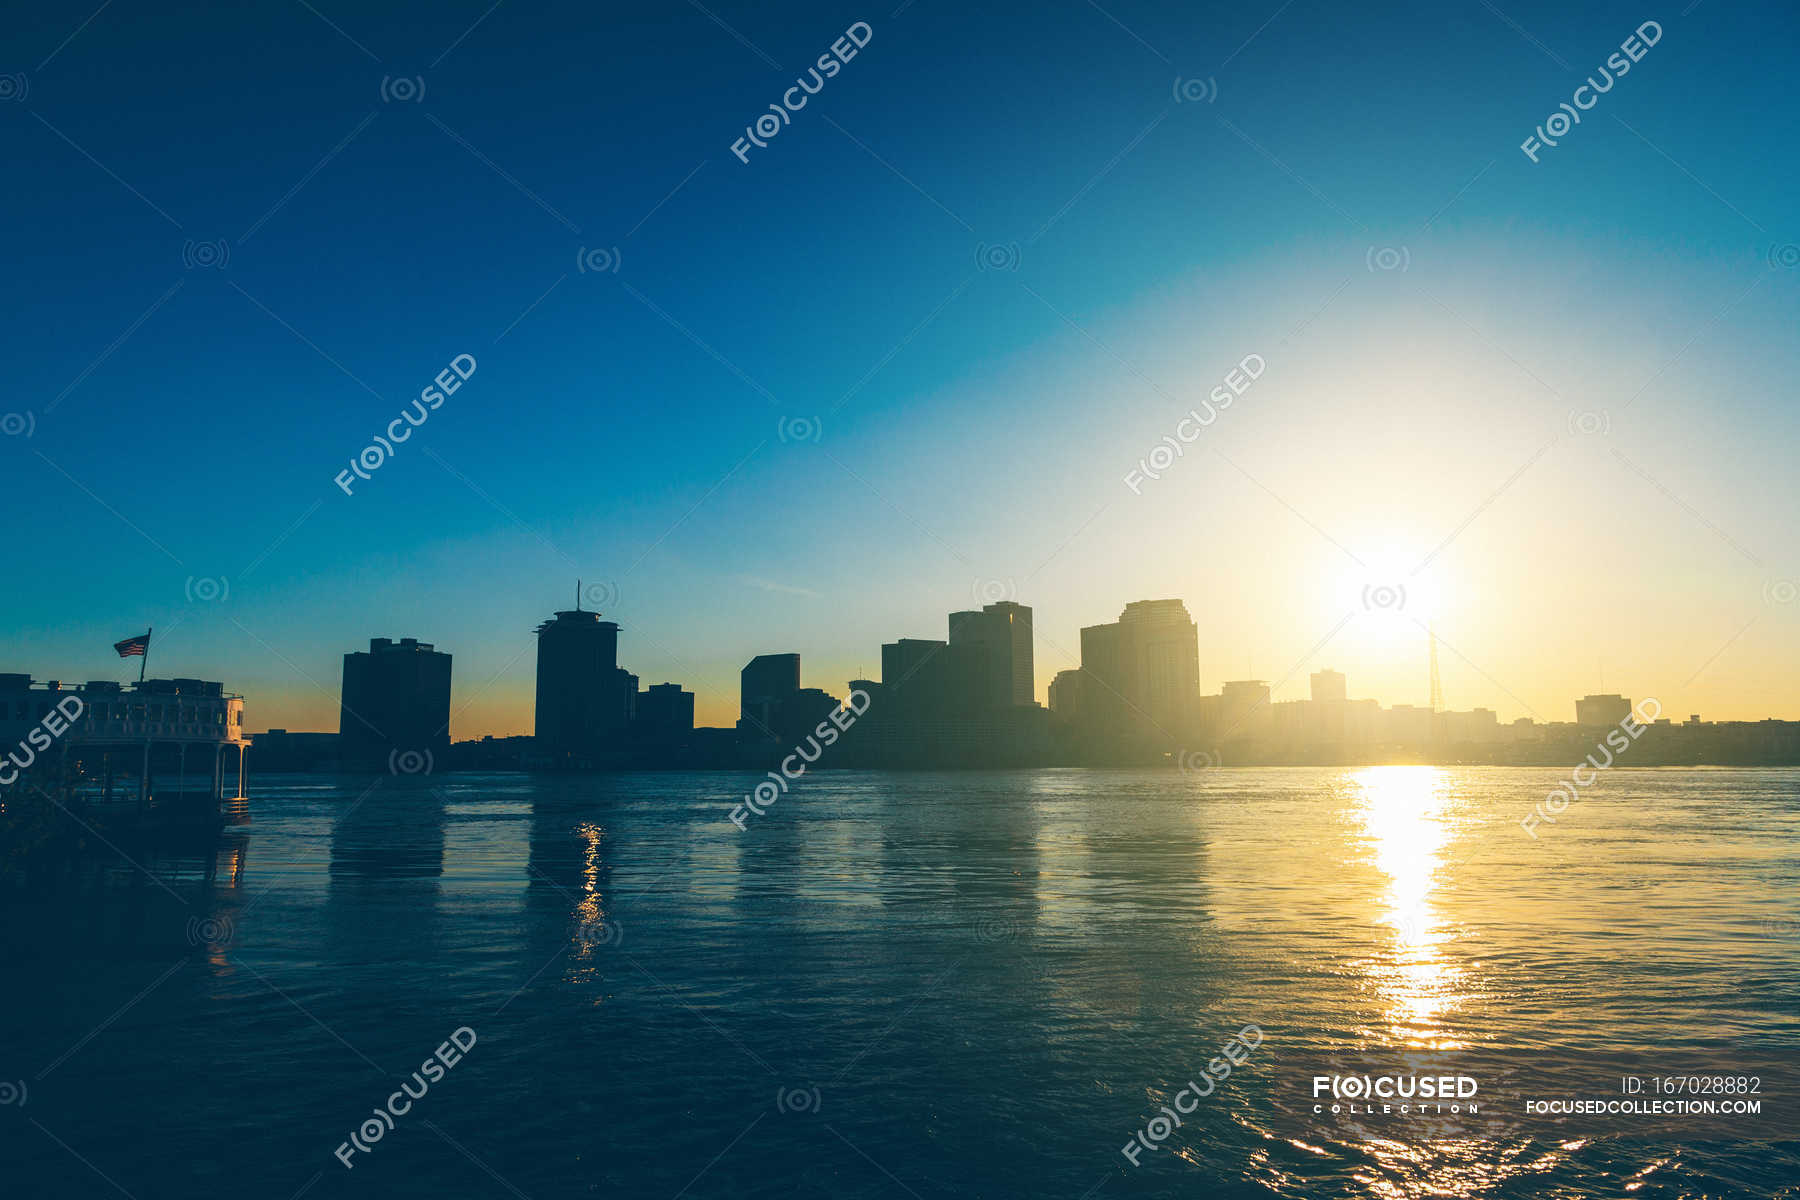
x=1437 y=690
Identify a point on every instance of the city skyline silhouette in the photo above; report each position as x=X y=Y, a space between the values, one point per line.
x=1202 y=349
x=1386 y=602
x=1136 y=696
x=1083 y=600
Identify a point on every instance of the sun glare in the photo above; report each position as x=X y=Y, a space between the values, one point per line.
x=1393 y=592
x=1402 y=813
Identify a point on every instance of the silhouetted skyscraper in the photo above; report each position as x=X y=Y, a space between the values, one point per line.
x=1326 y=721
x=1602 y=710
x=915 y=674
x=665 y=715
x=764 y=685
x=584 y=700
x=994 y=649
x=1143 y=671
x=395 y=699
x=1065 y=695
x=1245 y=713
x=1329 y=685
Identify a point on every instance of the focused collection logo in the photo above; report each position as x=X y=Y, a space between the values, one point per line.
x=1403 y=1095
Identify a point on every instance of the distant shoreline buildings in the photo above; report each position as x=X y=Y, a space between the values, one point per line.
x=967 y=700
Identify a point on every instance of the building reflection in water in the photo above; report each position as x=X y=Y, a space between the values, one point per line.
x=569 y=875
x=387 y=857
x=395 y=830
x=1124 y=906
x=226 y=868
x=1404 y=815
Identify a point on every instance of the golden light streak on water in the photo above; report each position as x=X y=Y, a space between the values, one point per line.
x=1402 y=812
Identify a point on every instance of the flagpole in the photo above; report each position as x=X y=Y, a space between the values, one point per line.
x=143 y=665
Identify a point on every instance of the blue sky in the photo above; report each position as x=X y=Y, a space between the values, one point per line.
x=1350 y=202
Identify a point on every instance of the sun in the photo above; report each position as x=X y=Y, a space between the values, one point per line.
x=1395 y=590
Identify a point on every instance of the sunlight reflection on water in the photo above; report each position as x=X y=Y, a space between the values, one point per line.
x=1403 y=813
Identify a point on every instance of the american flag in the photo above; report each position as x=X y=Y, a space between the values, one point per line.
x=139 y=645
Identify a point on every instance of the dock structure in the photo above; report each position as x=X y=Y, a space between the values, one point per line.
x=169 y=752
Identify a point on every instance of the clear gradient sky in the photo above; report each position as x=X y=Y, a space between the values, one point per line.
x=1570 y=384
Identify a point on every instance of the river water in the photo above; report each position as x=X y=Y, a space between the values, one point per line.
x=892 y=985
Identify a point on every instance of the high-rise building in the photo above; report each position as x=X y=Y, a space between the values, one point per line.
x=765 y=684
x=584 y=699
x=801 y=713
x=1479 y=727
x=1602 y=710
x=1109 y=682
x=1329 y=685
x=1166 y=644
x=1143 y=671
x=395 y=700
x=995 y=646
x=1065 y=695
x=1245 y=713
x=915 y=675
x=869 y=687
x=664 y=716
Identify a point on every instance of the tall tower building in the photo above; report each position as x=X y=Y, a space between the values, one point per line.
x=1065 y=695
x=395 y=699
x=1245 y=712
x=915 y=676
x=1165 y=644
x=766 y=683
x=994 y=649
x=1329 y=685
x=665 y=715
x=584 y=701
x=1608 y=709
x=1144 y=668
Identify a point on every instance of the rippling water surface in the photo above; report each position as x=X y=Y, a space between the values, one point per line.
x=891 y=985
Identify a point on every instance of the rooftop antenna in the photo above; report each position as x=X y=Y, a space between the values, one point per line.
x=578 y=595
x=1437 y=685
x=1437 y=690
